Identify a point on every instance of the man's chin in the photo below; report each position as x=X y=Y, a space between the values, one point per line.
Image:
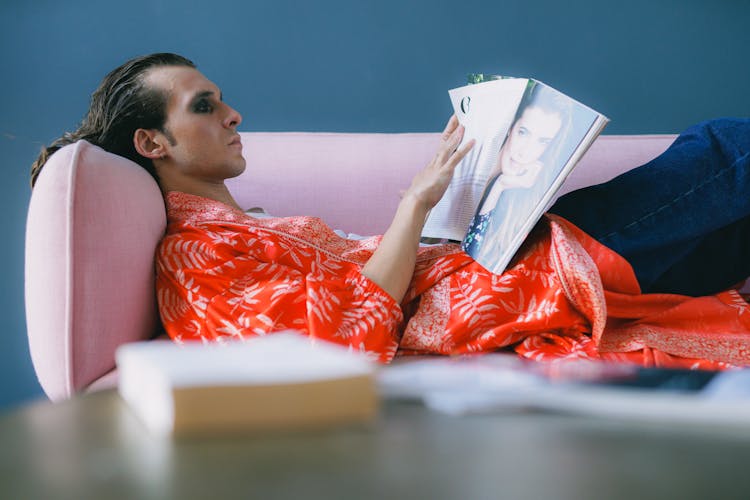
x=238 y=168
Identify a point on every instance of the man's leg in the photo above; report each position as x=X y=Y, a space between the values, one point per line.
x=719 y=261
x=687 y=208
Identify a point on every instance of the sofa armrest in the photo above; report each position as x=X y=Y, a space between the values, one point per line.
x=93 y=224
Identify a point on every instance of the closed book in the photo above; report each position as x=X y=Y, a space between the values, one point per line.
x=279 y=381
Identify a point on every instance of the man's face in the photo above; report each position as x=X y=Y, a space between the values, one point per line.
x=204 y=143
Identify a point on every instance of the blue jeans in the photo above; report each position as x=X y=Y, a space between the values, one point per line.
x=682 y=220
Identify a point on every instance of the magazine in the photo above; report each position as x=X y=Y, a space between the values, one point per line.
x=529 y=137
x=502 y=382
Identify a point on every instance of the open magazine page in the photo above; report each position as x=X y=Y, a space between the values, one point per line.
x=547 y=137
x=502 y=382
x=486 y=110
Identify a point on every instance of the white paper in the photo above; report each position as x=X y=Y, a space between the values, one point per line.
x=498 y=383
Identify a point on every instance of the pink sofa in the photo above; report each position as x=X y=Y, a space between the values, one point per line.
x=95 y=219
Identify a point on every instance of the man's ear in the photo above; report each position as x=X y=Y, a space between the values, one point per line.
x=149 y=143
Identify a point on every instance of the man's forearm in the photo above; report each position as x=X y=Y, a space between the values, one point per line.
x=392 y=264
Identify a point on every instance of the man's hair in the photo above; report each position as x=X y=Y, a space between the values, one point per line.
x=121 y=104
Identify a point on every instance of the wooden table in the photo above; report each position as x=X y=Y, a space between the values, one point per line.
x=93 y=447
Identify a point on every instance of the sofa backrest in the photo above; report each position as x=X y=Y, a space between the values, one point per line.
x=95 y=219
x=353 y=181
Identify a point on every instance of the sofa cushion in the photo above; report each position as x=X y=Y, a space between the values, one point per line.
x=611 y=155
x=93 y=225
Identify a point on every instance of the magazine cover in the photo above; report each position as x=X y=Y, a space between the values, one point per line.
x=529 y=137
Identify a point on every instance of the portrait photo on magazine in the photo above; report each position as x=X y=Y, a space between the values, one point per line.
x=528 y=137
x=536 y=155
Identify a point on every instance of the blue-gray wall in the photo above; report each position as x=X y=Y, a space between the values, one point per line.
x=652 y=66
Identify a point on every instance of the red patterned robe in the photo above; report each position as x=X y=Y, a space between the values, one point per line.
x=224 y=274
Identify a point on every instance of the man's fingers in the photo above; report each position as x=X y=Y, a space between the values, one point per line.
x=450 y=145
x=452 y=136
x=450 y=127
x=459 y=154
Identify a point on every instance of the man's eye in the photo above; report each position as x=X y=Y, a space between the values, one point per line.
x=203 y=106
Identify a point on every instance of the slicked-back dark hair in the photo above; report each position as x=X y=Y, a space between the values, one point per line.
x=121 y=104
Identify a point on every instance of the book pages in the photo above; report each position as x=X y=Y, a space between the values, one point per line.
x=486 y=110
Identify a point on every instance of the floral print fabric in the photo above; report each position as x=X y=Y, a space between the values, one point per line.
x=475 y=234
x=222 y=274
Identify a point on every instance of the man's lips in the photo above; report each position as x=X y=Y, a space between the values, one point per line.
x=236 y=141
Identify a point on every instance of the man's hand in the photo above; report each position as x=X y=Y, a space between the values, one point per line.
x=392 y=264
x=429 y=185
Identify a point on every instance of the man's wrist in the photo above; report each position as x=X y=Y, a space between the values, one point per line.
x=413 y=204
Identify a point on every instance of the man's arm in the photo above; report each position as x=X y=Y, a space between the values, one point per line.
x=392 y=264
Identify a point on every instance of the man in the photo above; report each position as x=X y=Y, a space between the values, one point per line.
x=224 y=273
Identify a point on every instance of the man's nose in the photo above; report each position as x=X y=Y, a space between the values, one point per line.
x=233 y=117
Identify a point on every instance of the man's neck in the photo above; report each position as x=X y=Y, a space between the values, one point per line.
x=214 y=191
